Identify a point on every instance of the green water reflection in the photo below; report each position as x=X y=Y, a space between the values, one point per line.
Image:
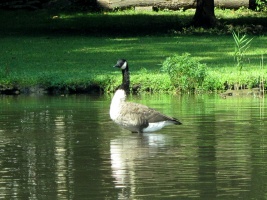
x=66 y=147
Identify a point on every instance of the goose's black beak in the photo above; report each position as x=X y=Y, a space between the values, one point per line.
x=117 y=65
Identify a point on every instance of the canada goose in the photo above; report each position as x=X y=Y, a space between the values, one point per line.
x=132 y=116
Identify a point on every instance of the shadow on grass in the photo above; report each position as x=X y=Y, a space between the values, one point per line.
x=43 y=23
x=101 y=24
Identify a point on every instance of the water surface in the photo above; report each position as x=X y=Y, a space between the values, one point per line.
x=66 y=147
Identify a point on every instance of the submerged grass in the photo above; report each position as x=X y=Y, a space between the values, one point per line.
x=66 y=50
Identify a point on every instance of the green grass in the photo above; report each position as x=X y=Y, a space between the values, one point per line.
x=79 y=50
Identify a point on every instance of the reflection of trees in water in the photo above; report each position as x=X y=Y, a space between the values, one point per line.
x=224 y=151
x=51 y=147
x=233 y=159
x=66 y=149
x=37 y=154
x=207 y=158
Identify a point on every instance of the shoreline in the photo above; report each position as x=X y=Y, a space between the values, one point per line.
x=96 y=89
x=16 y=90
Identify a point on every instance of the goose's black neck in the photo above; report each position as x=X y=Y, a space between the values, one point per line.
x=126 y=80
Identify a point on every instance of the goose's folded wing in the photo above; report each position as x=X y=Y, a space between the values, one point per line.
x=146 y=114
x=133 y=119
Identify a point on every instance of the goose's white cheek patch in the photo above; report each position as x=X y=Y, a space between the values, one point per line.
x=124 y=65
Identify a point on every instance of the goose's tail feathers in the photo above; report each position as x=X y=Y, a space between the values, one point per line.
x=175 y=121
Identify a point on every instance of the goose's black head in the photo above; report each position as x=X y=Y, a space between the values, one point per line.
x=122 y=64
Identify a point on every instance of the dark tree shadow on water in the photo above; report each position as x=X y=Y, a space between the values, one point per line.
x=207 y=159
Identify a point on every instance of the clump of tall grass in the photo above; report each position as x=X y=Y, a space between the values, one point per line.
x=221 y=79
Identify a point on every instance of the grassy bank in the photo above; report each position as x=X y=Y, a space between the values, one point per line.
x=66 y=53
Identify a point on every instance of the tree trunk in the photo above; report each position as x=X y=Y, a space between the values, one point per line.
x=204 y=15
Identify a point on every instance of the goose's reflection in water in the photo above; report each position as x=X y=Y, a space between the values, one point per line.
x=129 y=152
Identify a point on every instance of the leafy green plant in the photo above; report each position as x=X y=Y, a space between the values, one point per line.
x=242 y=43
x=261 y=5
x=186 y=73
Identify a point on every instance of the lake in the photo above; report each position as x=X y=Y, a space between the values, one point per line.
x=66 y=147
